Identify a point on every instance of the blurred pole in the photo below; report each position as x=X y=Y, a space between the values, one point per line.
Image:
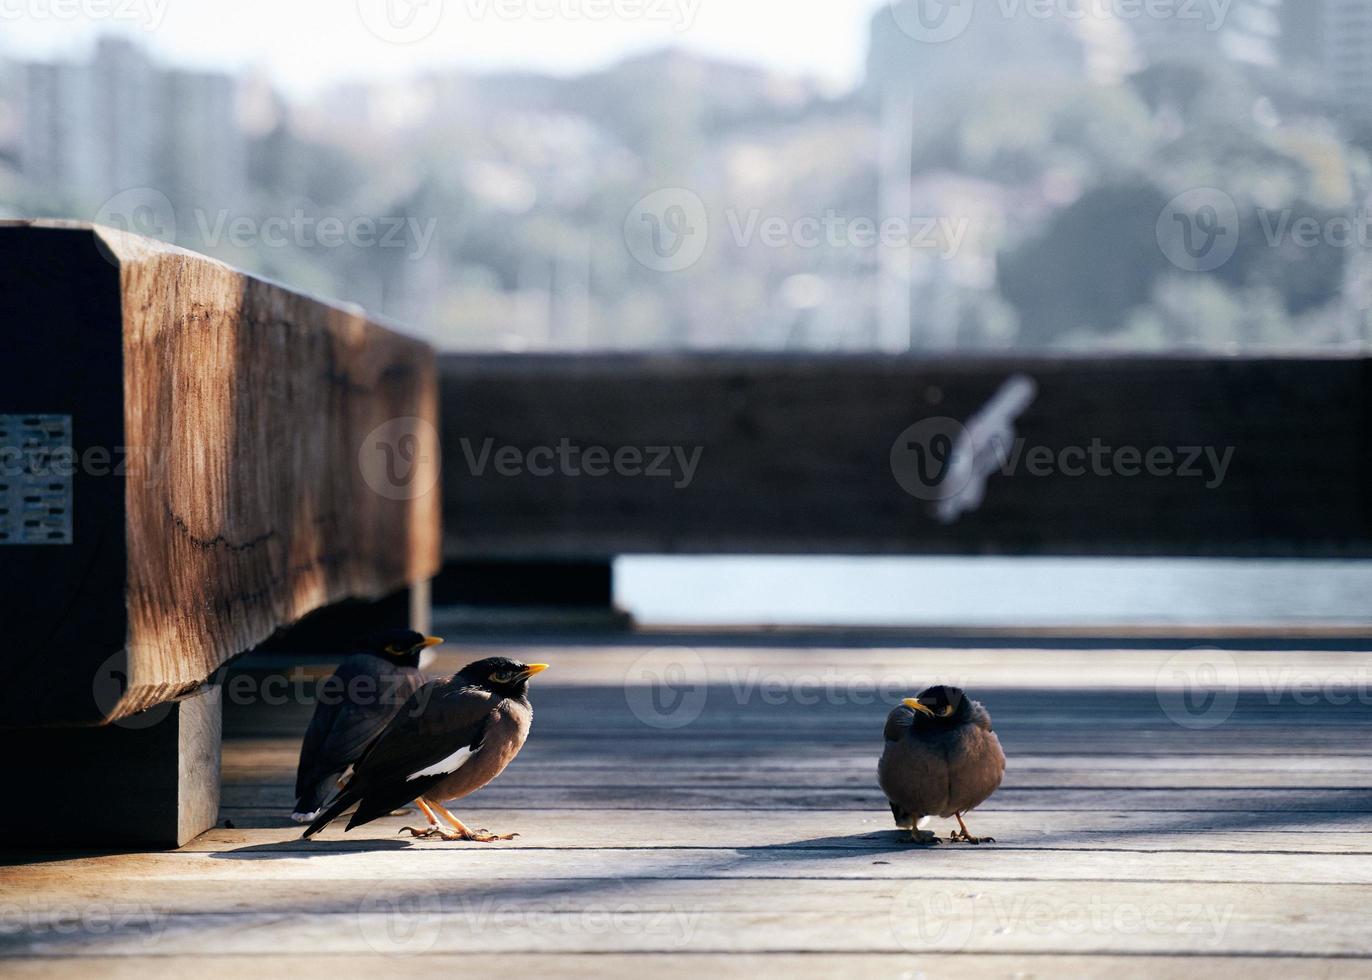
x=895 y=327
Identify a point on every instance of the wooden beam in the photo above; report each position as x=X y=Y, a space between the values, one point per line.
x=243 y=455
x=795 y=455
x=148 y=780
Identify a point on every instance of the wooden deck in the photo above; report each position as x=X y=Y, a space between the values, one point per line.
x=752 y=840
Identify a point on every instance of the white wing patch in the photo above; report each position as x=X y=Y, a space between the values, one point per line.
x=444 y=766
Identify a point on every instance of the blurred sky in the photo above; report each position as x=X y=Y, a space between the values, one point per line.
x=305 y=44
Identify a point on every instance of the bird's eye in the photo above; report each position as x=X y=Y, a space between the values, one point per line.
x=393 y=651
x=503 y=677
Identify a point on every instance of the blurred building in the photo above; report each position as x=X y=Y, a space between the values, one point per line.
x=91 y=130
x=1347 y=53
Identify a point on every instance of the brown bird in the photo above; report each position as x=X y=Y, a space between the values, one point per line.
x=451 y=738
x=941 y=759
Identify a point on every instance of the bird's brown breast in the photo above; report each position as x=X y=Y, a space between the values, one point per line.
x=504 y=736
x=934 y=772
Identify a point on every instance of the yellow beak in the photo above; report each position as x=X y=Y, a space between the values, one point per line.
x=914 y=705
x=532 y=669
x=431 y=641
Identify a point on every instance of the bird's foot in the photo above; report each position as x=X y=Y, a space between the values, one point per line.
x=480 y=836
x=962 y=835
x=924 y=838
x=466 y=834
x=416 y=832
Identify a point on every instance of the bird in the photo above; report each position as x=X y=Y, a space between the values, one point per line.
x=941 y=759
x=355 y=703
x=452 y=737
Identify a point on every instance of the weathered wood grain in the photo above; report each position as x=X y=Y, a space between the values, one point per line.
x=235 y=412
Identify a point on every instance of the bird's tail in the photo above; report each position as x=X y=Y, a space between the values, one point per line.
x=340 y=803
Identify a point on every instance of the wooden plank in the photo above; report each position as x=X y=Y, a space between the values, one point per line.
x=232 y=417
x=594 y=966
x=795 y=456
x=930 y=915
x=803 y=965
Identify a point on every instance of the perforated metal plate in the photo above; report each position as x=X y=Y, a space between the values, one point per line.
x=36 y=467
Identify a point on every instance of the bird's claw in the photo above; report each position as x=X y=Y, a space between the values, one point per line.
x=486 y=837
x=924 y=838
x=958 y=835
x=478 y=836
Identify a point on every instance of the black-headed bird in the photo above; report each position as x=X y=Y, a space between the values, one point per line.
x=450 y=739
x=941 y=759
x=355 y=703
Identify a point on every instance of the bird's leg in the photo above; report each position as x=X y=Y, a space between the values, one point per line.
x=433 y=828
x=463 y=832
x=963 y=834
x=923 y=837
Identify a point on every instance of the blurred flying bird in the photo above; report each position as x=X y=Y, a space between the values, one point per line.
x=941 y=759
x=450 y=739
x=355 y=703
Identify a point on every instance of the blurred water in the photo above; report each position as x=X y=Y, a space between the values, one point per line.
x=991 y=591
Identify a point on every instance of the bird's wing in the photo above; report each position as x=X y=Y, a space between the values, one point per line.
x=366 y=717
x=914 y=775
x=428 y=734
x=319 y=753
